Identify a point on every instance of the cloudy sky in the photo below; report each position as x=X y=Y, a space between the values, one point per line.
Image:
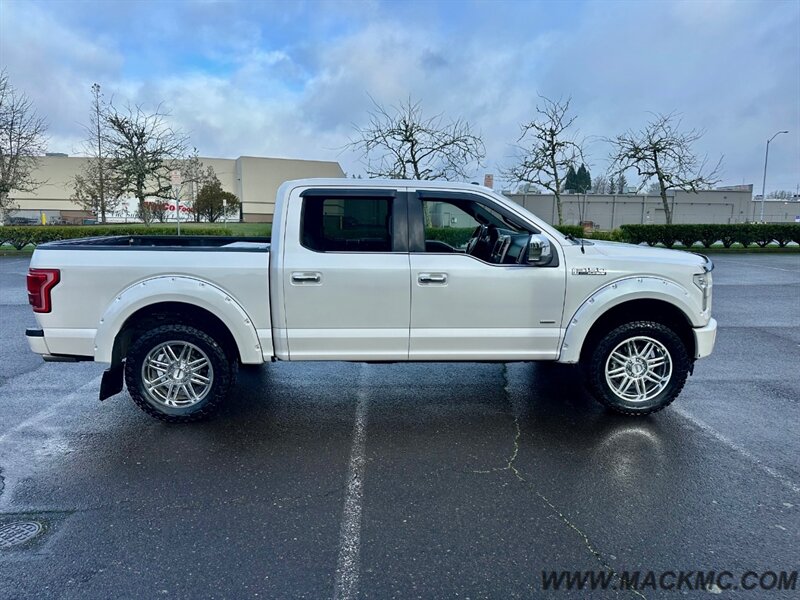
x=290 y=78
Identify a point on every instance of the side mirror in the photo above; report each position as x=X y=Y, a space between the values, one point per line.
x=539 y=252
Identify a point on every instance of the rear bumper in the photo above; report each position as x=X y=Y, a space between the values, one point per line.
x=704 y=338
x=36 y=341
x=38 y=345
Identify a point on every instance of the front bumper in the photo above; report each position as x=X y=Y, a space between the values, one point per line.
x=704 y=338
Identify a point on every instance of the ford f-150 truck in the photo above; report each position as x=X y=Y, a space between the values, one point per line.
x=368 y=271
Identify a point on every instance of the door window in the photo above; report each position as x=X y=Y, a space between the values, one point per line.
x=467 y=226
x=347 y=224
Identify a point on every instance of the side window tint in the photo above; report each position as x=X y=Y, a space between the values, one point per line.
x=347 y=224
x=446 y=222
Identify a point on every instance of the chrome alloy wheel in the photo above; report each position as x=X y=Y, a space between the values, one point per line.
x=638 y=369
x=177 y=374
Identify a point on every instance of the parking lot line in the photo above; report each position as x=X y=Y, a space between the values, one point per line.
x=737 y=448
x=51 y=409
x=738 y=263
x=348 y=564
x=779 y=269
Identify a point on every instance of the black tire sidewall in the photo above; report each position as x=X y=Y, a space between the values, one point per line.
x=220 y=363
x=681 y=364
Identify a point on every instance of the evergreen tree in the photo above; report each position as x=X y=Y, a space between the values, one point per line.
x=622 y=183
x=213 y=202
x=571 y=180
x=612 y=185
x=583 y=180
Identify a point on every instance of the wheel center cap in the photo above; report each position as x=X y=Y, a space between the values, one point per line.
x=179 y=372
x=636 y=367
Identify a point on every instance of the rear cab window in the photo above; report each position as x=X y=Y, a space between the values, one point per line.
x=359 y=224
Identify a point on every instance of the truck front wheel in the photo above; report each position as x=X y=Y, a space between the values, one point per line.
x=178 y=373
x=638 y=368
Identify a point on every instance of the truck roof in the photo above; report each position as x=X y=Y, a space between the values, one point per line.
x=343 y=182
x=371 y=183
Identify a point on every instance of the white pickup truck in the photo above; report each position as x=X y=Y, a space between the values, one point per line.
x=363 y=271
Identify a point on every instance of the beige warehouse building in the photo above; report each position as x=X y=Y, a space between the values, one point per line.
x=255 y=181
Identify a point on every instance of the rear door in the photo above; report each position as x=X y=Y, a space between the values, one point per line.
x=346 y=278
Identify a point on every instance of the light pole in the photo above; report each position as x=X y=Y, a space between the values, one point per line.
x=176 y=179
x=764 y=181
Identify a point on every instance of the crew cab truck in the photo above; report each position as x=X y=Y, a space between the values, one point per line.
x=369 y=271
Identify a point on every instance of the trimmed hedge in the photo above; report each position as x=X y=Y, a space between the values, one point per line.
x=19 y=237
x=459 y=236
x=745 y=234
x=573 y=230
x=455 y=236
x=608 y=236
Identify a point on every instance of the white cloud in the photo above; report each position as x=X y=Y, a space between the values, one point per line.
x=54 y=66
x=243 y=79
x=732 y=69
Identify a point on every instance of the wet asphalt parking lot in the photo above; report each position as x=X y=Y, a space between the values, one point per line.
x=405 y=481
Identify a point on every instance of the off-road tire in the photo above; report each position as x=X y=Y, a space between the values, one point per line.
x=224 y=371
x=595 y=364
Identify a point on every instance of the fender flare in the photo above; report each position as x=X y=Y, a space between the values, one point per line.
x=186 y=290
x=613 y=294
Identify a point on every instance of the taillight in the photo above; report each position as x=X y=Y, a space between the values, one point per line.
x=40 y=282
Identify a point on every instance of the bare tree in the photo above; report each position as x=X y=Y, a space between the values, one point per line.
x=661 y=151
x=548 y=149
x=527 y=188
x=194 y=175
x=97 y=188
x=401 y=143
x=22 y=141
x=600 y=184
x=144 y=151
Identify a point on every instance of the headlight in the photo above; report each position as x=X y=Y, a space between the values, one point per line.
x=704 y=282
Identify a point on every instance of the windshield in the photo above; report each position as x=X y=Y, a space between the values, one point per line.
x=526 y=215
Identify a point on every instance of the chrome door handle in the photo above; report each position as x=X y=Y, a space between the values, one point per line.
x=428 y=278
x=301 y=277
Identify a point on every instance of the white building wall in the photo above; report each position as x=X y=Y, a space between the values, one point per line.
x=607 y=211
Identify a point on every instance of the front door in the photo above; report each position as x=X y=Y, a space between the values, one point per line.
x=478 y=306
x=346 y=280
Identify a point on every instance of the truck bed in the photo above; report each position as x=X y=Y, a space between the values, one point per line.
x=163 y=242
x=110 y=278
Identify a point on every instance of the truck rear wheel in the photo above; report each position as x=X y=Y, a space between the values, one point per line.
x=178 y=373
x=638 y=368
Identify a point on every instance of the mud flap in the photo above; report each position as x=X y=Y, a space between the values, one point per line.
x=111 y=383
